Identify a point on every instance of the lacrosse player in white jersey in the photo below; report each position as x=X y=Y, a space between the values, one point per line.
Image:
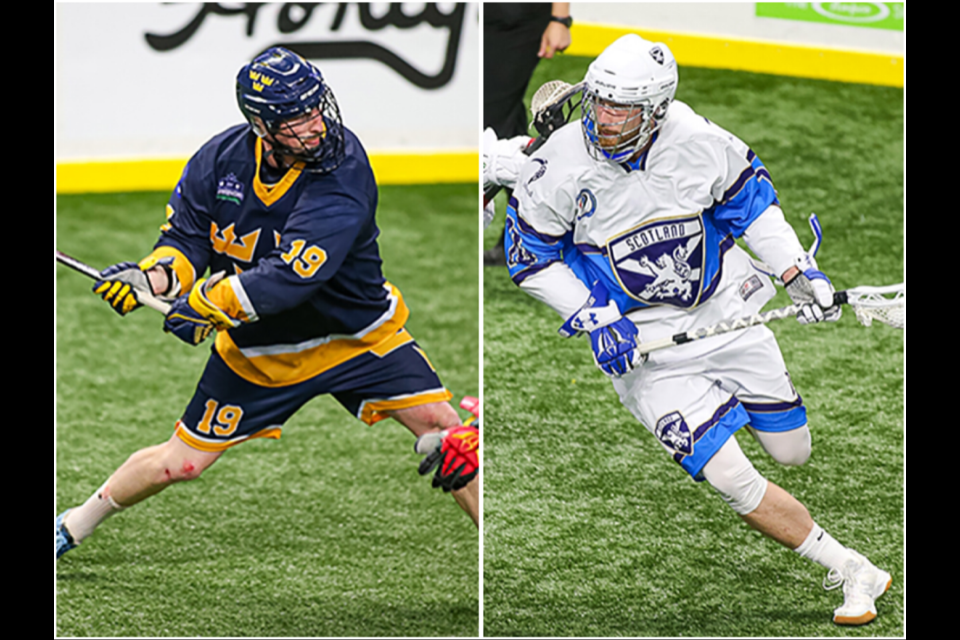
x=625 y=223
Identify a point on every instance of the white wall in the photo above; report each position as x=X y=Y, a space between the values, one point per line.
x=118 y=96
x=737 y=19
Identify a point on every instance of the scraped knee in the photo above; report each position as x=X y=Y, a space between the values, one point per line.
x=187 y=470
x=179 y=462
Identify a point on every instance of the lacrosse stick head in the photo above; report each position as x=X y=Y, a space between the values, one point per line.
x=887 y=305
x=553 y=104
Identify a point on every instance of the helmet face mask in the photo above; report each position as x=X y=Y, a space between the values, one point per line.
x=615 y=131
x=299 y=134
x=627 y=94
x=288 y=104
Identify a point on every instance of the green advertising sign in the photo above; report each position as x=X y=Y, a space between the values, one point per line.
x=876 y=15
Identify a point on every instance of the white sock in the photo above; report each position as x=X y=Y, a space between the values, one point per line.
x=82 y=520
x=821 y=547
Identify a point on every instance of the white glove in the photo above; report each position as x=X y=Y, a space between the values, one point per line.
x=814 y=290
x=502 y=159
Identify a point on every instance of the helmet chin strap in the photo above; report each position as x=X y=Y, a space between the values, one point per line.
x=268 y=154
x=275 y=151
x=274 y=159
x=273 y=166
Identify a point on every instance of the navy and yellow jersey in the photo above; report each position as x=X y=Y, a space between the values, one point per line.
x=299 y=251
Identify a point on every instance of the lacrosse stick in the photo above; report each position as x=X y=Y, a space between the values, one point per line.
x=146 y=298
x=552 y=106
x=887 y=305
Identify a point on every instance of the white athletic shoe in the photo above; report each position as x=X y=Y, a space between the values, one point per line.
x=862 y=584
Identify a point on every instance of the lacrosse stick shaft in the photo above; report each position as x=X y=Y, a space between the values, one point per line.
x=146 y=298
x=839 y=297
x=719 y=328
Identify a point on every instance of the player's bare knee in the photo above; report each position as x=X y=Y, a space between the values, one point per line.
x=173 y=466
x=426 y=418
x=172 y=473
x=188 y=470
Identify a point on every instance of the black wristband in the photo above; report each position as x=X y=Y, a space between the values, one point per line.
x=170 y=278
x=564 y=21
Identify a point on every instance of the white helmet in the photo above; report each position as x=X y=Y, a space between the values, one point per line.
x=628 y=90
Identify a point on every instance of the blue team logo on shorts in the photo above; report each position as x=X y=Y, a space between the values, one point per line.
x=672 y=430
x=660 y=262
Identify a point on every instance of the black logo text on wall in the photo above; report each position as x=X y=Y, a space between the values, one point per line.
x=293 y=18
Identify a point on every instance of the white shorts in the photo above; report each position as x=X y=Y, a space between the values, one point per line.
x=694 y=397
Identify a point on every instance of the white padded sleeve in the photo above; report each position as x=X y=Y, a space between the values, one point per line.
x=771 y=238
x=557 y=287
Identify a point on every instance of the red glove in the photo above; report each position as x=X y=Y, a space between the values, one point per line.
x=452 y=452
x=456 y=461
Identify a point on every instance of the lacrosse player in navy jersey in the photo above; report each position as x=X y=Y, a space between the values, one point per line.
x=281 y=210
x=625 y=224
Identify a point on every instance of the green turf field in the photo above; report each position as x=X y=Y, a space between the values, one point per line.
x=326 y=532
x=590 y=529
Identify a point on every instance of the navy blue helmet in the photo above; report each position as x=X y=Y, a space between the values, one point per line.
x=279 y=90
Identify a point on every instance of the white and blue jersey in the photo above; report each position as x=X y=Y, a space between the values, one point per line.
x=655 y=230
x=660 y=232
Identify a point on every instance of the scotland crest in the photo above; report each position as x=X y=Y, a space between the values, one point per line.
x=661 y=262
x=672 y=430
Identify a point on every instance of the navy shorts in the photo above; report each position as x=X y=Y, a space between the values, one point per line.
x=226 y=409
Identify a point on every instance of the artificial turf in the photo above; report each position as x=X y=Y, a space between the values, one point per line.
x=329 y=531
x=590 y=528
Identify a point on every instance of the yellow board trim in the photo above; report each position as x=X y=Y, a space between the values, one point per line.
x=757 y=56
x=588 y=39
x=406 y=167
x=154 y=174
